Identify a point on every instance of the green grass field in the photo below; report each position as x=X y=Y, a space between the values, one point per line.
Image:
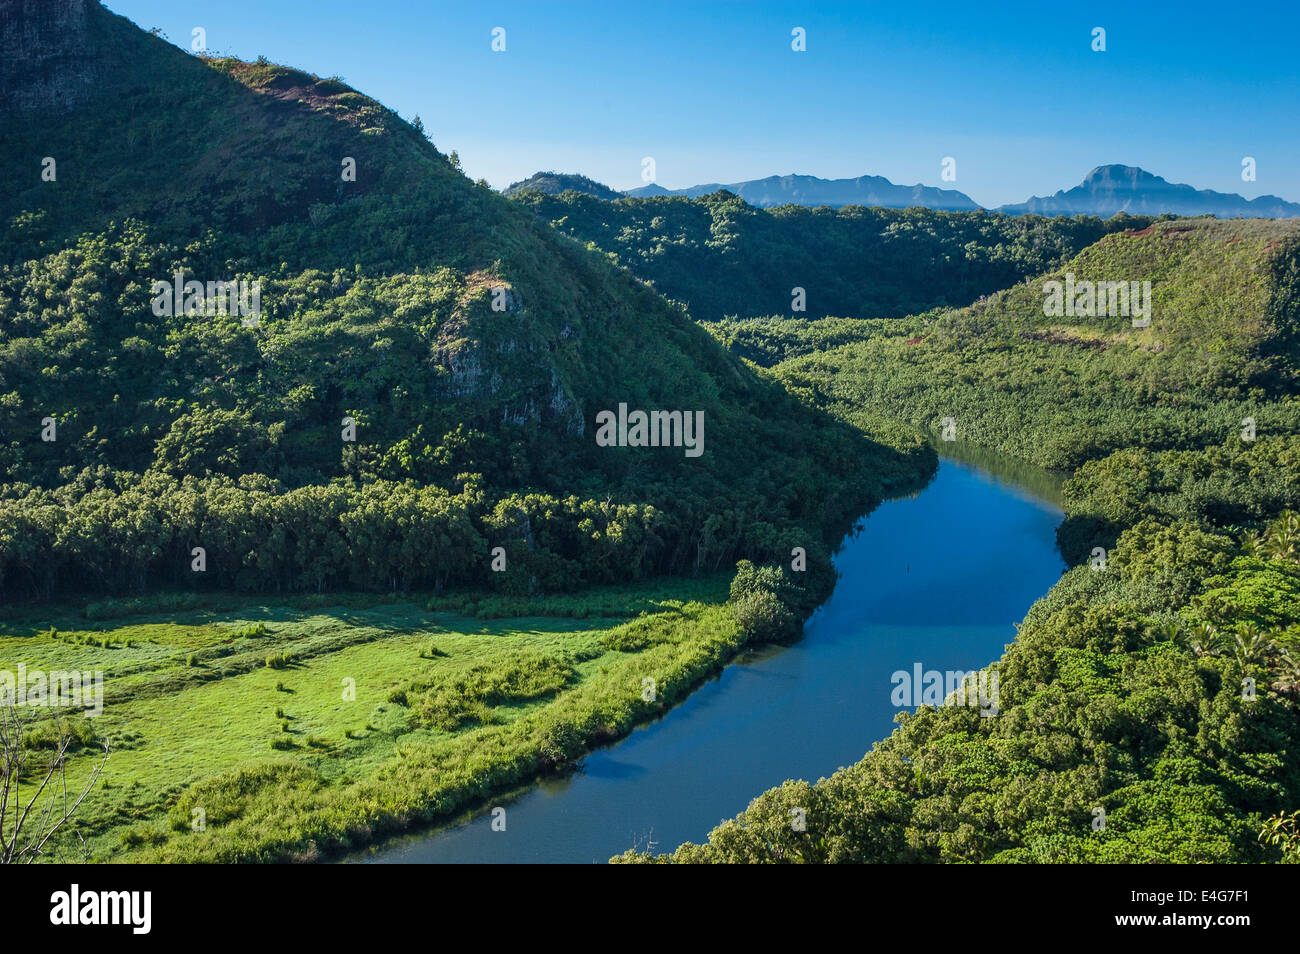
x=244 y=709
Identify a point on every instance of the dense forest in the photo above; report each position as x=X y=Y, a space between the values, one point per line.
x=420 y=386
x=1158 y=682
x=427 y=364
x=720 y=257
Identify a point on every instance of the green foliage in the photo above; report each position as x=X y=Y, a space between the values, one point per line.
x=765 y=601
x=720 y=256
x=556 y=183
x=77 y=733
x=1063 y=391
x=1283 y=832
x=380 y=303
x=470 y=695
x=1161 y=689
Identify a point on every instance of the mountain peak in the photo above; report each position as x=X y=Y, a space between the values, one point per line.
x=1117 y=173
x=554 y=183
x=1114 y=188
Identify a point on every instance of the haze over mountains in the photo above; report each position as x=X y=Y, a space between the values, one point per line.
x=810 y=190
x=1104 y=191
x=1110 y=189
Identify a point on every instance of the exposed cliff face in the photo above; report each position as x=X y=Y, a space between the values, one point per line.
x=504 y=356
x=45 y=58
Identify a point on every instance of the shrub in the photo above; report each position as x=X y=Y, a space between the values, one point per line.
x=763 y=617
x=765 y=602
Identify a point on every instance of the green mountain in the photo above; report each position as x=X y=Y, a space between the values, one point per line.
x=465 y=348
x=1148 y=704
x=1220 y=338
x=719 y=256
x=556 y=183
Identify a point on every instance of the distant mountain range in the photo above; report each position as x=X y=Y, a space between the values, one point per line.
x=1105 y=191
x=1110 y=189
x=810 y=190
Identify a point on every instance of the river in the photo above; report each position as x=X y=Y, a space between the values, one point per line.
x=938 y=578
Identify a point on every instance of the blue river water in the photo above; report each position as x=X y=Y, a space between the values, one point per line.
x=937 y=579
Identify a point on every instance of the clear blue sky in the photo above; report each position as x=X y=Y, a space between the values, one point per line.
x=1012 y=90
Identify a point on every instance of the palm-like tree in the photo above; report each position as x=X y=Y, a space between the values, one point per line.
x=1287 y=671
x=1283 y=538
x=1282 y=543
x=1205 y=640
x=1249 y=645
x=1170 y=633
x=1256 y=544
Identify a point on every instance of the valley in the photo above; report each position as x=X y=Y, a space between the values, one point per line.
x=910 y=594
x=376 y=504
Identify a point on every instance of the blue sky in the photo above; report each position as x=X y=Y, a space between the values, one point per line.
x=713 y=92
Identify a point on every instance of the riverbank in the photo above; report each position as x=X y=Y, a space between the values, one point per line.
x=289 y=734
x=913 y=590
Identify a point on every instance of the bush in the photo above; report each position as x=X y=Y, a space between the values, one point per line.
x=767 y=603
x=763 y=617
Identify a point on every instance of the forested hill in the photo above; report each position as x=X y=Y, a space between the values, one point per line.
x=555 y=183
x=1129 y=729
x=1220 y=345
x=470 y=346
x=721 y=257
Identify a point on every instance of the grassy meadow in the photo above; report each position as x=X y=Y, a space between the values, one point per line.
x=241 y=708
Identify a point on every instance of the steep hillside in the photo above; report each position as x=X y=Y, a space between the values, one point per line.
x=1061 y=389
x=470 y=347
x=1147 y=708
x=720 y=256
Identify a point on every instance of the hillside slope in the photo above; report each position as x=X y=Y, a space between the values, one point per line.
x=1147 y=708
x=720 y=256
x=472 y=347
x=1060 y=389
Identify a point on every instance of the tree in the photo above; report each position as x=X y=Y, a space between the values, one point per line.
x=1205 y=640
x=35 y=751
x=760 y=603
x=1248 y=643
x=1283 y=832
